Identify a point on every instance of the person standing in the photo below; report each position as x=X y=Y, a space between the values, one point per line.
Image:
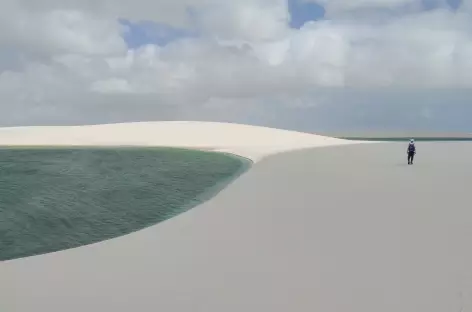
x=411 y=151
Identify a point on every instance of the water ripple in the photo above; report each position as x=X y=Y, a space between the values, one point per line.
x=55 y=199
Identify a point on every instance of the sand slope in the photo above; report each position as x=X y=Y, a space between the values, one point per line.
x=228 y=254
x=248 y=141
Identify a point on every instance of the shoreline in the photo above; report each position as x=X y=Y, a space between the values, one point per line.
x=261 y=143
x=205 y=194
x=99 y=267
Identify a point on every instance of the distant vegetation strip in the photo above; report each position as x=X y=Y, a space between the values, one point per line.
x=402 y=139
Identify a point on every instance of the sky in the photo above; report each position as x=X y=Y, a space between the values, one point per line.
x=308 y=65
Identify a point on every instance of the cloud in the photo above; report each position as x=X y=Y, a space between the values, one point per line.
x=244 y=19
x=59 y=31
x=69 y=61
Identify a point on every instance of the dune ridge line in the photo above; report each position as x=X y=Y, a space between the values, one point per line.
x=251 y=142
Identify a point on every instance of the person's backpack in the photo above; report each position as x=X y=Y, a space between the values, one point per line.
x=411 y=148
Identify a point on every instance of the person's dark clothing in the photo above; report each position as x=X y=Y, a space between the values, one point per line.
x=411 y=156
x=411 y=152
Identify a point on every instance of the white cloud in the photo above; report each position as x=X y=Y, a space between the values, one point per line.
x=59 y=56
x=245 y=19
x=59 y=31
x=112 y=85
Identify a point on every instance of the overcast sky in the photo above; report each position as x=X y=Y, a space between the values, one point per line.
x=312 y=65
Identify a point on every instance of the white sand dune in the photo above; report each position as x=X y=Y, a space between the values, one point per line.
x=221 y=256
x=252 y=142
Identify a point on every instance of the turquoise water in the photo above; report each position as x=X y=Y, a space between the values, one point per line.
x=54 y=199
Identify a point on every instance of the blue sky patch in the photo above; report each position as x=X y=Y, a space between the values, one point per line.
x=454 y=4
x=434 y=4
x=142 y=33
x=301 y=12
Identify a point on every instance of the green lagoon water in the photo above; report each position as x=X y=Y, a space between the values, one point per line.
x=53 y=199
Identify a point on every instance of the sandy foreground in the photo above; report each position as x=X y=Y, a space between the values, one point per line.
x=342 y=228
x=256 y=246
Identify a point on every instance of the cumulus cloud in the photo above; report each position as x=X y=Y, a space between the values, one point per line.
x=66 y=61
x=56 y=31
x=245 y=19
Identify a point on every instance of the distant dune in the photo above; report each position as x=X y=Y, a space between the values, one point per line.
x=252 y=142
